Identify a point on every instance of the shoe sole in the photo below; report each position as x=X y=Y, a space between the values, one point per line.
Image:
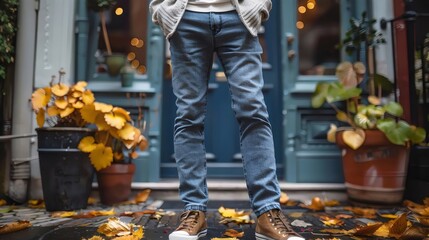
x=259 y=236
x=194 y=237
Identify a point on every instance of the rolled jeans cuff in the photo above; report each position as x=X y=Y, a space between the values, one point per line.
x=266 y=208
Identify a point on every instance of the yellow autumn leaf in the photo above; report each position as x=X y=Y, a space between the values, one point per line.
x=329 y=221
x=52 y=111
x=61 y=103
x=103 y=107
x=316 y=204
x=101 y=156
x=330 y=136
x=40 y=98
x=399 y=226
x=40 y=117
x=89 y=113
x=101 y=124
x=65 y=112
x=60 y=89
x=87 y=144
x=354 y=138
x=14 y=226
x=233 y=233
x=142 y=196
x=122 y=112
x=80 y=86
x=391 y=216
x=368 y=230
x=76 y=94
x=127 y=132
x=115 y=120
x=78 y=104
x=115 y=227
x=63 y=214
x=88 y=97
x=3 y=202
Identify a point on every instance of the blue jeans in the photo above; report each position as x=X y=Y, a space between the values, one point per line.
x=197 y=37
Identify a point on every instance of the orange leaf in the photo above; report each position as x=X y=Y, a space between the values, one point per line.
x=142 y=196
x=399 y=226
x=14 y=226
x=40 y=117
x=144 y=143
x=103 y=107
x=60 y=89
x=363 y=212
x=316 y=204
x=87 y=144
x=233 y=233
x=368 y=230
x=101 y=156
x=328 y=221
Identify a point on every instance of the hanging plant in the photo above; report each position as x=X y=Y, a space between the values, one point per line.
x=101 y=6
x=8 y=29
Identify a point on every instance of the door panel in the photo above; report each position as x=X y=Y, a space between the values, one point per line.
x=310 y=34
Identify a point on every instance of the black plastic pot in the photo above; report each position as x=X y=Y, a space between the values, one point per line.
x=66 y=172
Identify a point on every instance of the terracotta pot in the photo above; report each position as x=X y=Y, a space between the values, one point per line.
x=114 y=183
x=375 y=172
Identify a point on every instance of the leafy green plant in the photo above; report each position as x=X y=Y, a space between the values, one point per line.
x=361 y=112
x=8 y=29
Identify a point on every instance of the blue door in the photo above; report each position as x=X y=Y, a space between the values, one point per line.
x=221 y=128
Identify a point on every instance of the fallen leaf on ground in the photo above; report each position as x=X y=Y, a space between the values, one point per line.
x=300 y=223
x=142 y=196
x=284 y=198
x=36 y=203
x=343 y=216
x=233 y=233
x=139 y=213
x=391 y=216
x=329 y=221
x=295 y=214
x=367 y=230
x=94 y=238
x=331 y=203
x=399 y=226
x=116 y=228
x=362 y=212
x=316 y=204
x=338 y=231
x=231 y=215
x=95 y=213
x=14 y=226
x=63 y=214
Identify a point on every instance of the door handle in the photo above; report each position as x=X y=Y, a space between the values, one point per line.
x=291 y=54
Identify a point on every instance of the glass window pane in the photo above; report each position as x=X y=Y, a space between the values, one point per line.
x=126 y=29
x=318 y=26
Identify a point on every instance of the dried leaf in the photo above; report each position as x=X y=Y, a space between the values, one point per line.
x=284 y=198
x=295 y=214
x=343 y=216
x=233 y=233
x=329 y=221
x=33 y=203
x=331 y=203
x=390 y=216
x=338 y=231
x=399 y=226
x=415 y=232
x=368 y=230
x=114 y=227
x=316 y=204
x=142 y=196
x=101 y=156
x=422 y=220
x=362 y=212
x=14 y=226
x=94 y=213
x=87 y=144
x=63 y=214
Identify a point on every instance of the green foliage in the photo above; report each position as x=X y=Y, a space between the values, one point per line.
x=101 y=5
x=361 y=31
x=8 y=29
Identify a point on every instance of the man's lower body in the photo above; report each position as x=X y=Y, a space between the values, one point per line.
x=197 y=37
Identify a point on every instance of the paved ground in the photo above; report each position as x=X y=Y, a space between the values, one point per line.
x=46 y=227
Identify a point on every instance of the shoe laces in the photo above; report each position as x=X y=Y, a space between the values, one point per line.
x=188 y=220
x=280 y=223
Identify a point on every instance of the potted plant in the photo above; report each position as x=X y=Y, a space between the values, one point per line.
x=374 y=139
x=77 y=134
x=114 y=62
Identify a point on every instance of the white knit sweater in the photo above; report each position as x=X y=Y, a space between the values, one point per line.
x=167 y=13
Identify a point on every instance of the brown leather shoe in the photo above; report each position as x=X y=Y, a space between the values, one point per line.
x=273 y=225
x=192 y=226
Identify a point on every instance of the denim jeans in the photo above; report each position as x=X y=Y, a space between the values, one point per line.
x=197 y=37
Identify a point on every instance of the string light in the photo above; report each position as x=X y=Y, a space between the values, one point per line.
x=300 y=24
x=119 y=11
x=302 y=9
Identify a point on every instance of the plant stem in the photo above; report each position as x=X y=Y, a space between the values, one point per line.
x=104 y=29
